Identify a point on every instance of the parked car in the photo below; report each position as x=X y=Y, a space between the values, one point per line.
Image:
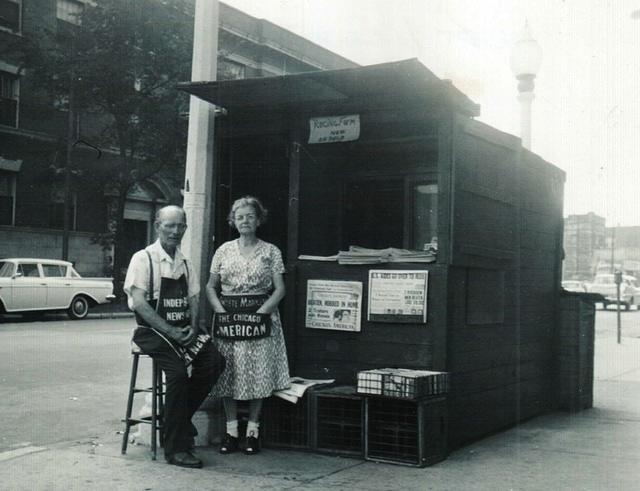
x=574 y=286
x=605 y=285
x=40 y=285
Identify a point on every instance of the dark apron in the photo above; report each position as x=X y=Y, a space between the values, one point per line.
x=172 y=305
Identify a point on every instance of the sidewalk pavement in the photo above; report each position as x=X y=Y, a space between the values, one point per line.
x=596 y=449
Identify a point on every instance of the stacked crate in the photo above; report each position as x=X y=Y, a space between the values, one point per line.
x=286 y=425
x=405 y=416
x=338 y=421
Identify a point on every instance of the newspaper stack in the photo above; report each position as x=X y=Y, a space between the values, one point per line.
x=362 y=255
x=298 y=387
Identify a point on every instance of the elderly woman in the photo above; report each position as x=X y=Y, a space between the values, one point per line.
x=251 y=269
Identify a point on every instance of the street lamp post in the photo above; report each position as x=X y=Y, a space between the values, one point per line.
x=526 y=56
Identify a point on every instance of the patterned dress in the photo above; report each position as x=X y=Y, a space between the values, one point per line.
x=254 y=368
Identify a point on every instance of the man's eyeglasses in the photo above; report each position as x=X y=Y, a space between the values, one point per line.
x=174 y=226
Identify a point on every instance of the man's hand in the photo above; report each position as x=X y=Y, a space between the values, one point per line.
x=189 y=334
x=184 y=336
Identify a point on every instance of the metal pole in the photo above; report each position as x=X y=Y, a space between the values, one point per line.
x=525 y=97
x=618 y=309
x=526 y=100
x=71 y=138
x=613 y=239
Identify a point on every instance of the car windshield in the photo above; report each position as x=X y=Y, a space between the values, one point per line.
x=6 y=269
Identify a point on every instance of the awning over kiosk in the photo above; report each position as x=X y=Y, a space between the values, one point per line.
x=409 y=80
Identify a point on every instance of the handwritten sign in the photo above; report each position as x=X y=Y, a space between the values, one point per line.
x=334 y=129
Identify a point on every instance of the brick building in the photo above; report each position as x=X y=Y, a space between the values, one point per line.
x=32 y=196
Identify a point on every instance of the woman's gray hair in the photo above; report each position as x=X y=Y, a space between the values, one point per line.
x=252 y=201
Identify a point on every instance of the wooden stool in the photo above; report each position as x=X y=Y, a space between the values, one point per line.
x=157 y=403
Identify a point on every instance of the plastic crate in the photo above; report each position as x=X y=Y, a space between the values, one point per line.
x=404 y=432
x=338 y=421
x=286 y=425
x=402 y=383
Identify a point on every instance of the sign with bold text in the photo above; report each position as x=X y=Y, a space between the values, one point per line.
x=398 y=296
x=334 y=305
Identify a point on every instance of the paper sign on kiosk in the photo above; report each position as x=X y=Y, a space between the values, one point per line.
x=334 y=305
x=398 y=296
x=334 y=129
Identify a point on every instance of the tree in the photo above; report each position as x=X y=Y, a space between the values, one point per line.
x=118 y=68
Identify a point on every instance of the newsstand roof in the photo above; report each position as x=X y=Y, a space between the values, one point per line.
x=409 y=81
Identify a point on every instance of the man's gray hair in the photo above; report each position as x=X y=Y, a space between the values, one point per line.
x=168 y=208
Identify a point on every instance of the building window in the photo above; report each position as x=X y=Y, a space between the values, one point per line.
x=70 y=11
x=425 y=216
x=9 y=94
x=391 y=212
x=7 y=198
x=56 y=209
x=230 y=70
x=10 y=15
x=373 y=213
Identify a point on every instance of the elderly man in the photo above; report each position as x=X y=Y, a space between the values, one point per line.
x=163 y=289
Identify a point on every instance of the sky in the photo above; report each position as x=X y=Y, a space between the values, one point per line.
x=586 y=112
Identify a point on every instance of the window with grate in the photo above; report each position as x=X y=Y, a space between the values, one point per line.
x=10 y=11
x=9 y=94
x=69 y=11
x=425 y=215
x=7 y=198
x=230 y=70
x=56 y=208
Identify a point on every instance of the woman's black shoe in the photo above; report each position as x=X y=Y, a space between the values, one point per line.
x=253 y=445
x=229 y=444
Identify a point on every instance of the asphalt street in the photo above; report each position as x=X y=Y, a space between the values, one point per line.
x=62 y=380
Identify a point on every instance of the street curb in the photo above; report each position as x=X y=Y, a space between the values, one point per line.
x=110 y=315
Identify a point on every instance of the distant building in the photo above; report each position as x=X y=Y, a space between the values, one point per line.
x=583 y=236
x=623 y=244
x=32 y=196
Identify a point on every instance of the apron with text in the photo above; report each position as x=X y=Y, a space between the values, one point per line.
x=172 y=305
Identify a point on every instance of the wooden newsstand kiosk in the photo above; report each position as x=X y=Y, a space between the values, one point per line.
x=419 y=167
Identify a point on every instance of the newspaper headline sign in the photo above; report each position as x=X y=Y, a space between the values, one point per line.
x=334 y=305
x=398 y=296
x=334 y=129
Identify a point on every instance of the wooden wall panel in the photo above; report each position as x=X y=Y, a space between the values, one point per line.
x=340 y=355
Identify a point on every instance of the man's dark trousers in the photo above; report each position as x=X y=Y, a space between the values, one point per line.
x=184 y=394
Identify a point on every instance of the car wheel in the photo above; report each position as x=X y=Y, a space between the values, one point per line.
x=79 y=308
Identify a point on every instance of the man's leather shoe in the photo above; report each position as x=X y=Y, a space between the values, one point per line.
x=184 y=459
